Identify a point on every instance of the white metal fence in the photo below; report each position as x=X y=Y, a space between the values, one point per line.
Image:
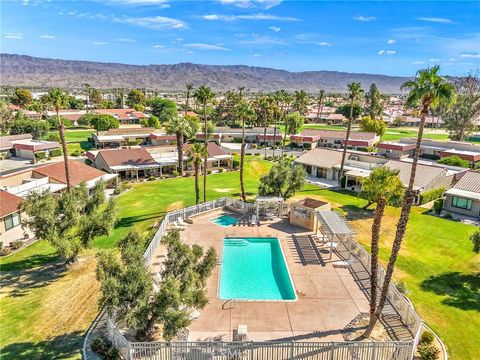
x=385 y=350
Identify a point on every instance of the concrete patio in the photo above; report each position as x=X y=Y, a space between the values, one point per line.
x=328 y=297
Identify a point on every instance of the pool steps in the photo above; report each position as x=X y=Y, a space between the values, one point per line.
x=236 y=242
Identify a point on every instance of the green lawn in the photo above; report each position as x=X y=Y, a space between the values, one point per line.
x=436 y=263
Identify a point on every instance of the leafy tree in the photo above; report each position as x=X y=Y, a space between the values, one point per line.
x=127 y=289
x=475 y=237
x=6 y=117
x=347 y=108
x=265 y=111
x=58 y=99
x=71 y=221
x=225 y=110
x=163 y=109
x=103 y=122
x=283 y=180
x=179 y=126
x=204 y=95
x=151 y=121
x=195 y=155
x=136 y=97
x=462 y=117
x=38 y=128
x=371 y=125
x=53 y=121
x=382 y=187
x=95 y=96
x=21 y=97
x=300 y=102
x=106 y=104
x=454 y=161
x=427 y=89
x=245 y=113
x=293 y=124
x=74 y=103
x=193 y=126
x=374 y=103
x=355 y=91
x=39 y=106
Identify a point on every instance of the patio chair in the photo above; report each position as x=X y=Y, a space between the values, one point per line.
x=180 y=221
x=253 y=221
x=242 y=332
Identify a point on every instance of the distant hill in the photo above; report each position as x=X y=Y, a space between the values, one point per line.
x=22 y=70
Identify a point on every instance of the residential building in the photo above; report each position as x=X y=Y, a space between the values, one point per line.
x=131 y=136
x=395 y=149
x=312 y=138
x=412 y=121
x=10 y=218
x=253 y=135
x=23 y=146
x=464 y=197
x=125 y=116
x=217 y=157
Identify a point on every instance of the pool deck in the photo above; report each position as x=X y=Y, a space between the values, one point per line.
x=328 y=297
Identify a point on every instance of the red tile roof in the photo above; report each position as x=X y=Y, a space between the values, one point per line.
x=8 y=203
x=132 y=156
x=212 y=148
x=396 y=146
x=78 y=172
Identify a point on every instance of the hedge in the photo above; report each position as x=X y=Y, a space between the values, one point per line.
x=55 y=152
x=40 y=155
x=431 y=195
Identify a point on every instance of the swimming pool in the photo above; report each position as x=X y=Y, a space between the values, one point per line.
x=254 y=269
x=224 y=220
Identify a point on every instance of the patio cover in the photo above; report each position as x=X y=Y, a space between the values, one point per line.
x=333 y=224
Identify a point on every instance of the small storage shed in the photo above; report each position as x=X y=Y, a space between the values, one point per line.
x=302 y=212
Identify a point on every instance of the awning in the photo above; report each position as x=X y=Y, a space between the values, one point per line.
x=332 y=223
x=463 y=194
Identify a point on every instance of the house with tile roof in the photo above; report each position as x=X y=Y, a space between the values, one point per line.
x=23 y=146
x=312 y=138
x=10 y=218
x=125 y=116
x=464 y=197
x=115 y=138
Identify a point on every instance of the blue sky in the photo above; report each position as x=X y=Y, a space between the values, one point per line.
x=389 y=37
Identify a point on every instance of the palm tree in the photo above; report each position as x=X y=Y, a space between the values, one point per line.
x=383 y=187
x=355 y=91
x=195 y=155
x=265 y=111
x=58 y=99
x=244 y=112
x=321 y=94
x=87 y=88
x=189 y=87
x=428 y=89
x=204 y=95
x=287 y=100
x=178 y=126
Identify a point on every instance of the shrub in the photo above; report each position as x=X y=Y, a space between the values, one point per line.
x=221 y=170
x=134 y=142
x=76 y=153
x=431 y=195
x=428 y=352
x=402 y=287
x=40 y=155
x=88 y=162
x=257 y=154
x=427 y=338
x=17 y=244
x=448 y=216
x=151 y=178
x=175 y=173
x=105 y=349
x=55 y=152
x=454 y=161
x=438 y=206
x=209 y=171
x=4 y=250
x=234 y=153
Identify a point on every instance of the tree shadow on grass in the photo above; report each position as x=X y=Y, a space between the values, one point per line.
x=20 y=283
x=58 y=347
x=132 y=220
x=29 y=262
x=461 y=290
x=353 y=212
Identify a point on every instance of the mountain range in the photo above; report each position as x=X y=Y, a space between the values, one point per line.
x=23 y=70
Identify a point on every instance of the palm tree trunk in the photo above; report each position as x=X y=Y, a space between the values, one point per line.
x=186 y=102
x=404 y=215
x=180 y=152
x=242 y=157
x=347 y=136
x=265 y=139
x=205 y=157
x=274 y=137
x=197 y=175
x=61 y=131
x=376 y=226
x=320 y=108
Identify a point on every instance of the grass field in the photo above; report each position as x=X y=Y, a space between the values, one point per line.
x=46 y=308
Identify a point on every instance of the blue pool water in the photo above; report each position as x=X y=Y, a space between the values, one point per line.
x=224 y=220
x=254 y=269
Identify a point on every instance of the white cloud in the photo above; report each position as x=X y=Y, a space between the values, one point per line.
x=437 y=20
x=262 y=40
x=202 y=46
x=265 y=4
x=14 y=36
x=47 y=37
x=275 y=28
x=177 y=41
x=155 y=22
x=159 y=3
x=469 y=55
x=99 y=43
x=125 y=40
x=323 y=43
x=364 y=18
x=391 y=41
x=255 y=17
x=158 y=46
x=434 y=60
x=418 y=63
x=257 y=55
x=387 y=52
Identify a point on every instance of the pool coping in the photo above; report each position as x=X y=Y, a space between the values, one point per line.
x=256 y=300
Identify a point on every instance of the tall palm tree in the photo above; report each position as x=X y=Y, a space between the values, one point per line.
x=382 y=187
x=189 y=87
x=58 y=99
x=180 y=127
x=428 y=89
x=321 y=94
x=287 y=101
x=244 y=112
x=265 y=112
x=204 y=95
x=355 y=91
x=87 y=88
x=195 y=156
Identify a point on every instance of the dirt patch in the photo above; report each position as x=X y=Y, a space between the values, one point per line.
x=175 y=206
x=227 y=190
x=357 y=326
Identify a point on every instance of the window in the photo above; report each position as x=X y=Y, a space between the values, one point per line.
x=12 y=220
x=462 y=203
x=388 y=151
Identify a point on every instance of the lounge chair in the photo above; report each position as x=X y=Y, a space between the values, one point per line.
x=253 y=221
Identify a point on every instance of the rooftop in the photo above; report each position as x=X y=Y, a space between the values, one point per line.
x=79 y=172
x=127 y=157
x=9 y=203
